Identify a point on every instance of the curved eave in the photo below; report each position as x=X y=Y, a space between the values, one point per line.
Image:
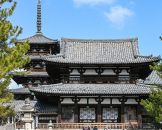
x=100 y=63
x=85 y=94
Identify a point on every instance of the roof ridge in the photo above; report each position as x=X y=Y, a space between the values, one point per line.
x=149 y=56
x=97 y=40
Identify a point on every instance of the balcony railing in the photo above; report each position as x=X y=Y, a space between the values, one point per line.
x=100 y=126
x=86 y=125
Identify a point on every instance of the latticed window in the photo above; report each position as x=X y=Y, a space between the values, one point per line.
x=87 y=115
x=110 y=114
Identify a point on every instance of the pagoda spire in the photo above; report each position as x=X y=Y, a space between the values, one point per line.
x=39 y=16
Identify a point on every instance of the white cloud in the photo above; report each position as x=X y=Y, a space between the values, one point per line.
x=92 y=2
x=118 y=15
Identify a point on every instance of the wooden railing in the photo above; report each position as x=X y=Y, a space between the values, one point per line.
x=101 y=126
x=86 y=125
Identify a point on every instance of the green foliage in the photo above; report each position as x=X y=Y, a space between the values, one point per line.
x=12 y=55
x=153 y=104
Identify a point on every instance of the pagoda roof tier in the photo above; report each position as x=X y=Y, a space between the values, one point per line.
x=117 y=51
x=20 y=91
x=34 y=74
x=39 y=38
x=40 y=107
x=92 y=89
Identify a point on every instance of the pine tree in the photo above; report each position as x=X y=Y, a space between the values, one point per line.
x=12 y=54
x=153 y=104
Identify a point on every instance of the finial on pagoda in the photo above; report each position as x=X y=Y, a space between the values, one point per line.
x=39 y=16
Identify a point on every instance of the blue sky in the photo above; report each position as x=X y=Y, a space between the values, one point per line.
x=95 y=19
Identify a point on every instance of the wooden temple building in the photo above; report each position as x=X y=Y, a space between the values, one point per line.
x=85 y=80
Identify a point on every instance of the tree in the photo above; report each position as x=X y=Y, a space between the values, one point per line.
x=12 y=54
x=153 y=104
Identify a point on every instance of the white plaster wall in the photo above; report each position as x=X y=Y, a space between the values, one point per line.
x=108 y=72
x=124 y=72
x=92 y=101
x=131 y=101
x=106 y=101
x=84 y=101
x=67 y=101
x=115 y=101
x=90 y=72
x=75 y=72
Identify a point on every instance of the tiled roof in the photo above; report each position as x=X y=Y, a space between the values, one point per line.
x=40 y=107
x=100 y=52
x=153 y=79
x=20 y=91
x=38 y=38
x=92 y=89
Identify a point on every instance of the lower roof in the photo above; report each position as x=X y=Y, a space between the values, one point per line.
x=40 y=107
x=154 y=78
x=92 y=89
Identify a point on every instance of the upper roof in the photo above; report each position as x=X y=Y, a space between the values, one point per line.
x=39 y=38
x=92 y=89
x=153 y=78
x=115 y=51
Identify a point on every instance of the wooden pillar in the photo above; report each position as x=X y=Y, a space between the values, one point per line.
x=99 y=70
x=138 y=113
x=122 y=100
x=81 y=70
x=76 y=100
x=59 y=109
x=99 y=111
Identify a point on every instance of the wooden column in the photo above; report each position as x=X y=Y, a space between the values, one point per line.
x=122 y=100
x=99 y=112
x=59 y=109
x=138 y=113
x=99 y=70
x=81 y=70
x=76 y=100
x=117 y=71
